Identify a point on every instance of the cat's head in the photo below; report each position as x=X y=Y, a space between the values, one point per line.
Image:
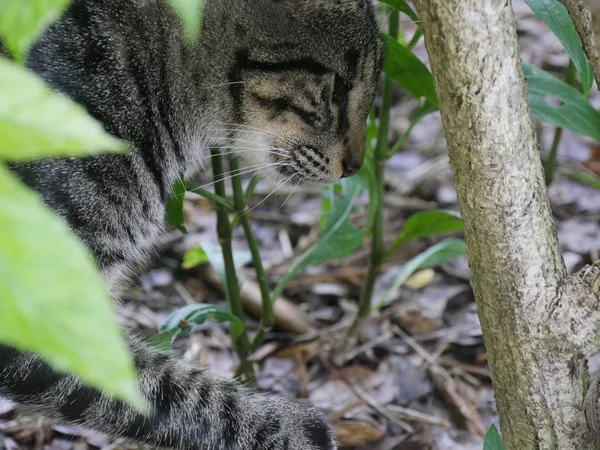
x=300 y=79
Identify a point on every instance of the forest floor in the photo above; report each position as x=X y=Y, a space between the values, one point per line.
x=415 y=377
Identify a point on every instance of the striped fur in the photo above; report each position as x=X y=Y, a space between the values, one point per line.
x=286 y=83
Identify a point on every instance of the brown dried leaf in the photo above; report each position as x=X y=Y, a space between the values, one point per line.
x=354 y=434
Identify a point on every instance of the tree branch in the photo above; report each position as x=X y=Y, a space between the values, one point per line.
x=586 y=17
x=538 y=324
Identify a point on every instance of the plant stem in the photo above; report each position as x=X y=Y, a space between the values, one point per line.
x=381 y=155
x=550 y=166
x=239 y=203
x=232 y=288
x=222 y=201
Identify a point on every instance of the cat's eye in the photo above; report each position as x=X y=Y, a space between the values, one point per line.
x=340 y=92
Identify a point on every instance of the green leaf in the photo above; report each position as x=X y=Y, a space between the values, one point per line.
x=190 y=12
x=403 y=7
x=337 y=238
x=493 y=440
x=174 y=208
x=590 y=179
x=162 y=341
x=575 y=113
x=426 y=223
x=434 y=256
x=22 y=22
x=197 y=315
x=194 y=257
x=54 y=302
x=556 y=16
x=37 y=122
x=430 y=223
x=405 y=68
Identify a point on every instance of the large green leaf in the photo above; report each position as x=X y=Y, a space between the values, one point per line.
x=403 y=7
x=557 y=17
x=190 y=12
x=493 y=440
x=434 y=256
x=38 y=122
x=54 y=302
x=574 y=113
x=404 y=67
x=23 y=21
x=337 y=238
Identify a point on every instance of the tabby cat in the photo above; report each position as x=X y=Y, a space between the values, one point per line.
x=287 y=84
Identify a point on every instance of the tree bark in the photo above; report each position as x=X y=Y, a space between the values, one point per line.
x=539 y=325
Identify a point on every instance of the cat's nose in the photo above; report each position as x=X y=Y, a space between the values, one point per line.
x=350 y=166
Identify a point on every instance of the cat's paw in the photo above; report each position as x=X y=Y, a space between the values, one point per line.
x=293 y=426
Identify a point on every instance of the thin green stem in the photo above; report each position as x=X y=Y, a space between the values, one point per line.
x=232 y=288
x=239 y=202
x=381 y=155
x=550 y=166
x=222 y=201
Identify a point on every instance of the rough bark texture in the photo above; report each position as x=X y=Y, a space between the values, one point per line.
x=586 y=17
x=538 y=324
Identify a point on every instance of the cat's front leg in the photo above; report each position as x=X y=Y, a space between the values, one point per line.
x=191 y=409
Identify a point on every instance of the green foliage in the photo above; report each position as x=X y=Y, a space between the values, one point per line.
x=405 y=68
x=190 y=13
x=54 y=302
x=403 y=7
x=557 y=17
x=194 y=257
x=337 y=238
x=574 y=112
x=36 y=121
x=493 y=440
x=174 y=208
x=180 y=322
x=424 y=224
x=434 y=256
x=23 y=21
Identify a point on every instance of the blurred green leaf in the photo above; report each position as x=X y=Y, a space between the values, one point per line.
x=493 y=440
x=54 y=302
x=404 y=67
x=430 y=223
x=194 y=257
x=190 y=12
x=37 y=122
x=174 y=208
x=434 y=256
x=590 y=179
x=424 y=224
x=575 y=112
x=403 y=7
x=198 y=314
x=22 y=22
x=337 y=237
x=556 y=16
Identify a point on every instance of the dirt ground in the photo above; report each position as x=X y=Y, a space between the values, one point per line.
x=415 y=377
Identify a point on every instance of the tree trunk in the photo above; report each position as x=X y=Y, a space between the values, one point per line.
x=539 y=325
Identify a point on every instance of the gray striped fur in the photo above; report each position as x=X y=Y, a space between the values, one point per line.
x=290 y=81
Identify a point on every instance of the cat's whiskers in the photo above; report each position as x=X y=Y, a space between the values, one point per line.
x=243 y=171
x=292 y=192
x=235 y=150
x=272 y=192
